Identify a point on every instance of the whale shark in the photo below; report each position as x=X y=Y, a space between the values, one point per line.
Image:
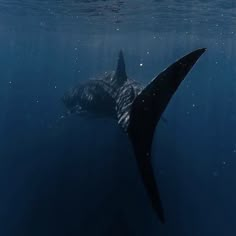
x=136 y=108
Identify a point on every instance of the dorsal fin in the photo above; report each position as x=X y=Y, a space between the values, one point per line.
x=120 y=74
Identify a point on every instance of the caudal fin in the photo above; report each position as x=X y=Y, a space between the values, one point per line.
x=146 y=111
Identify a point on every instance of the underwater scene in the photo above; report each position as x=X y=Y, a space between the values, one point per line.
x=117 y=117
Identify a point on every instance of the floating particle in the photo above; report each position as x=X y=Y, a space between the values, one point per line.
x=215 y=173
x=42 y=23
x=141 y=64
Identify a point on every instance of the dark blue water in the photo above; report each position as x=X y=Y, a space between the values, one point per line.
x=78 y=176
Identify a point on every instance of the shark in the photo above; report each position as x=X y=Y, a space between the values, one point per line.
x=137 y=108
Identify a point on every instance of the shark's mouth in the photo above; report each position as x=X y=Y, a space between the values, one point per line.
x=76 y=110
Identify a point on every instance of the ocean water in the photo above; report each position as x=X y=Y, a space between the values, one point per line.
x=78 y=176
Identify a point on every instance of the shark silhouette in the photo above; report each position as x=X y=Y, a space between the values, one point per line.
x=136 y=108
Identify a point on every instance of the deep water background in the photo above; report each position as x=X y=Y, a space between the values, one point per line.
x=78 y=176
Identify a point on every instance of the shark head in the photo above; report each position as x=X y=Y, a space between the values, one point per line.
x=90 y=97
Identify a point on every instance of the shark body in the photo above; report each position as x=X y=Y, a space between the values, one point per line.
x=137 y=109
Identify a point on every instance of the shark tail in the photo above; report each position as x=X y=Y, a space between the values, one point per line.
x=146 y=111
